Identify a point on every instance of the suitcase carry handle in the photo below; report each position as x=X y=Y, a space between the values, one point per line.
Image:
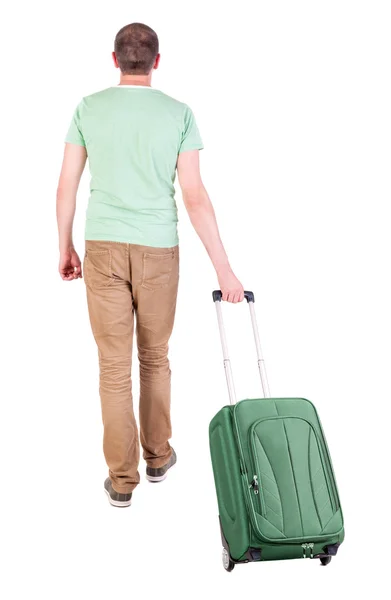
x=217 y=297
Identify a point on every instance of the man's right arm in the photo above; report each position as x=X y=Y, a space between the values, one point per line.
x=203 y=219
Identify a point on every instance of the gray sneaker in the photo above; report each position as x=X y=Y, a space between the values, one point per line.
x=157 y=475
x=115 y=498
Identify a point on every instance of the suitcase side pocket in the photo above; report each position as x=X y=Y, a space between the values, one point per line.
x=228 y=480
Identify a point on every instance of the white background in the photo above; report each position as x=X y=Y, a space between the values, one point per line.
x=293 y=102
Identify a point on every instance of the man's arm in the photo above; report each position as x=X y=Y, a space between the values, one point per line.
x=203 y=219
x=72 y=168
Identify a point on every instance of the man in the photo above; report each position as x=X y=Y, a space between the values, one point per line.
x=135 y=138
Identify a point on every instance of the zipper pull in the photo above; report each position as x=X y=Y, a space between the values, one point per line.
x=311 y=547
x=254 y=484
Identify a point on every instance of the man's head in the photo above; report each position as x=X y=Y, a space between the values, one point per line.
x=136 y=49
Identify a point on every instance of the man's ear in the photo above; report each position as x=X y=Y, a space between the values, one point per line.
x=157 y=61
x=115 y=61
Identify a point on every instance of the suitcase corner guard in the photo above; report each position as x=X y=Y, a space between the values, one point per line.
x=252 y=554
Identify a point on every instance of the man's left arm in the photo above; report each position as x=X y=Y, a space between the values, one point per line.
x=74 y=161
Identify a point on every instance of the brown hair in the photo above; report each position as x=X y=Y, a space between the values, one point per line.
x=136 y=47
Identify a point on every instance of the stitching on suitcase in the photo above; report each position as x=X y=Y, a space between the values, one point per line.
x=323 y=466
x=324 y=504
x=294 y=478
x=327 y=466
x=275 y=481
x=268 y=476
x=312 y=478
x=332 y=516
x=321 y=488
x=320 y=465
x=278 y=514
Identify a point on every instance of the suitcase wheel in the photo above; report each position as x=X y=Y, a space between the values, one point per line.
x=325 y=560
x=227 y=562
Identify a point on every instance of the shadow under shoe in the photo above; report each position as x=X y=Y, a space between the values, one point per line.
x=160 y=474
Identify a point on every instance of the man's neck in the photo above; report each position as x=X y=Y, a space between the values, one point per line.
x=135 y=80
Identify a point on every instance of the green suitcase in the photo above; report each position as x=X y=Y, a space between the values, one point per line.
x=275 y=484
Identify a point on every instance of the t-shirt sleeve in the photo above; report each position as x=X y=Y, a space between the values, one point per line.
x=191 y=138
x=75 y=133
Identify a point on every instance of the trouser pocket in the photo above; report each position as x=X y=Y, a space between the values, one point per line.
x=158 y=269
x=98 y=268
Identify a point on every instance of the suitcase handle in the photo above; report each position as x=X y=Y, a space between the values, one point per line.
x=217 y=296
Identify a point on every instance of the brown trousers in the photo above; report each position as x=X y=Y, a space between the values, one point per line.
x=123 y=280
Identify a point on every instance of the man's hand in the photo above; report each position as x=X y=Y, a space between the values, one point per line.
x=70 y=265
x=230 y=286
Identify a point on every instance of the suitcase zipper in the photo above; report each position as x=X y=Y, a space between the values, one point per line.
x=254 y=485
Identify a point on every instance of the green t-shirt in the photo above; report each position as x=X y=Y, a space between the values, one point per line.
x=133 y=136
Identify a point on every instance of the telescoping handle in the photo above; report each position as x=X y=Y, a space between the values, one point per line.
x=217 y=297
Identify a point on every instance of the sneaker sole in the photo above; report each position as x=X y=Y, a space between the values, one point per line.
x=116 y=503
x=156 y=479
x=152 y=479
